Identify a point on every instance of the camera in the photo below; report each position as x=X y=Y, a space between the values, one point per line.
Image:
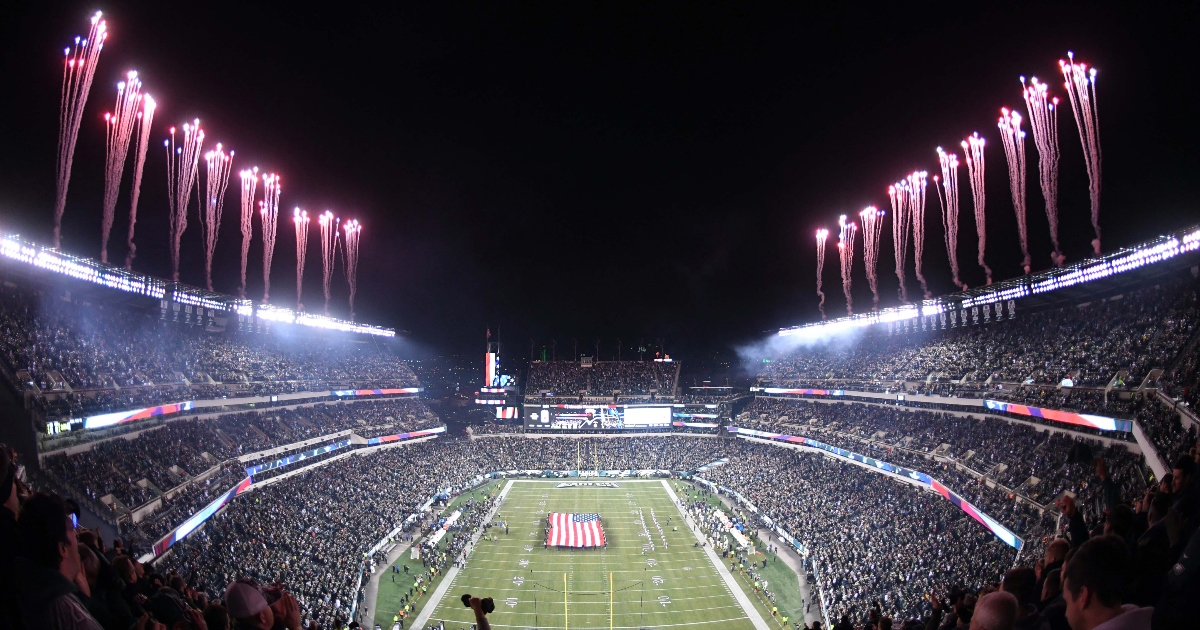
x=486 y=604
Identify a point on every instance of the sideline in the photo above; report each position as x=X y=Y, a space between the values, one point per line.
x=734 y=587
x=792 y=559
x=438 y=593
x=367 y=610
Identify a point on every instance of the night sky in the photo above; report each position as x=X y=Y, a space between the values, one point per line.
x=573 y=170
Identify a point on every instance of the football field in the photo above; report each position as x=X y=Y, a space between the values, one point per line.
x=628 y=585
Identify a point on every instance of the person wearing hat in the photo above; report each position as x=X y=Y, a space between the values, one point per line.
x=250 y=610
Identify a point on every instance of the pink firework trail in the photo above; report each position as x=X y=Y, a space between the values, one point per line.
x=269 y=210
x=916 y=217
x=1081 y=88
x=900 y=230
x=329 y=240
x=217 y=182
x=846 y=232
x=249 y=185
x=79 y=67
x=146 y=118
x=119 y=125
x=822 y=237
x=1013 y=140
x=975 y=170
x=353 y=231
x=183 y=164
x=949 y=206
x=872 y=222
x=1043 y=122
x=300 y=219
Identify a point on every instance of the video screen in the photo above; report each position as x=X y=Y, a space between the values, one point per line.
x=595 y=417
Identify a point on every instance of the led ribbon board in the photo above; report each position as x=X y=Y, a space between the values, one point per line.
x=198 y=518
x=400 y=437
x=1103 y=423
x=376 y=392
x=298 y=457
x=803 y=392
x=109 y=419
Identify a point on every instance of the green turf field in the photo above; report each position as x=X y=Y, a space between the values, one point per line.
x=558 y=588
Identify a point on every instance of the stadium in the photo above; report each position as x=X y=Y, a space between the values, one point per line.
x=1018 y=453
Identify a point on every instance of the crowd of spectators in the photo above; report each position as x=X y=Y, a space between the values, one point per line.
x=114 y=357
x=1033 y=462
x=881 y=547
x=890 y=554
x=602 y=378
x=311 y=530
x=152 y=462
x=876 y=539
x=1090 y=343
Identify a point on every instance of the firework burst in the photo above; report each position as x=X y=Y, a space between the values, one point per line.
x=948 y=201
x=846 y=232
x=269 y=210
x=79 y=67
x=1013 y=140
x=300 y=219
x=975 y=170
x=329 y=240
x=822 y=237
x=146 y=118
x=249 y=185
x=872 y=222
x=119 y=125
x=353 y=231
x=183 y=162
x=1043 y=122
x=1081 y=88
x=217 y=182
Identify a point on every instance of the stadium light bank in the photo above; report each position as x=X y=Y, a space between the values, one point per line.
x=1123 y=260
x=17 y=249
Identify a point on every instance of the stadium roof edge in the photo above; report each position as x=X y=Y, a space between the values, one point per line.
x=1126 y=259
x=14 y=248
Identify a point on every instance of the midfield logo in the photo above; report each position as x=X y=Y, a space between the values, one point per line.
x=588 y=484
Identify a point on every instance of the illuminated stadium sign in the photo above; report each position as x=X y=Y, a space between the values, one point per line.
x=801 y=392
x=298 y=457
x=376 y=392
x=584 y=416
x=400 y=437
x=198 y=518
x=109 y=419
x=1103 y=423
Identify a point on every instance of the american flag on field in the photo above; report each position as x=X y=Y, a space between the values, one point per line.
x=575 y=530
